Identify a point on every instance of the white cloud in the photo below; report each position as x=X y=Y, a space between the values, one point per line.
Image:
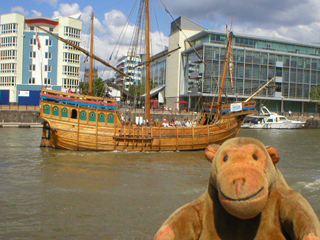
x=19 y=9
x=106 y=47
x=56 y=14
x=303 y=33
x=290 y=19
x=158 y=42
x=86 y=15
x=300 y=33
x=107 y=35
x=36 y=13
x=269 y=33
x=115 y=22
x=115 y=18
x=66 y=9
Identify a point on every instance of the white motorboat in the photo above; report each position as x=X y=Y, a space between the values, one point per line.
x=270 y=120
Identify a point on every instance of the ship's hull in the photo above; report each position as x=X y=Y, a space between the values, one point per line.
x=69 y=135
x=77 y=122
x=279 y=125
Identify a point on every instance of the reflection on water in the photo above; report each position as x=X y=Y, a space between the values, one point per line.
x=58 y=194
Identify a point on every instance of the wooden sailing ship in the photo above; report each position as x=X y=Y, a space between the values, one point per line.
x=82 y=122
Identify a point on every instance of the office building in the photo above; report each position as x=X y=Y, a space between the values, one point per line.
x=31 y=59
x=194 y=71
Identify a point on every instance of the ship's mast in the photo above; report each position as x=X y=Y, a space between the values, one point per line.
x=91 y=59
x=147 y=100
x=226 y=63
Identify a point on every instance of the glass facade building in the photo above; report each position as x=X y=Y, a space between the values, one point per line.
x=255 y=60
x=158 y=72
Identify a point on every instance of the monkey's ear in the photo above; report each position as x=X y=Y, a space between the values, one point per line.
x=274 y=154
x=211 y=151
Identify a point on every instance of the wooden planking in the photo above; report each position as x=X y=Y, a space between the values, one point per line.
x=83 y=135
x=90 y=140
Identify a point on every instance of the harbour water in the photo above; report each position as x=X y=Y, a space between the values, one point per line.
x=58 y=194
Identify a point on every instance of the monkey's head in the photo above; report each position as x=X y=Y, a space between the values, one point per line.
x=243 y=172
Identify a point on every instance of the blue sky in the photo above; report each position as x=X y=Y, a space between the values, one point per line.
x=286 y=19
x=52 y=8
x=294 y=19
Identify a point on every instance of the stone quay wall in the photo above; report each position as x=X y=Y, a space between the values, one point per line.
x=20 y=116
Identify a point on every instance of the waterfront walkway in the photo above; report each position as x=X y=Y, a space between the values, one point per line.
x=21 y=125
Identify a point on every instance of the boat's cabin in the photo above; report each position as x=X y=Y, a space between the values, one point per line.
x=276 y=119
x=253 y=120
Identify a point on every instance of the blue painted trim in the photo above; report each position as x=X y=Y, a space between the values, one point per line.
x=249 y=108
x=207 y=110
x=27 y=48
x=80 y=103
x=225 y=111
x=54 y=61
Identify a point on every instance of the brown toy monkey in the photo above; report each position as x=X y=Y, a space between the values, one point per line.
x=247 y=198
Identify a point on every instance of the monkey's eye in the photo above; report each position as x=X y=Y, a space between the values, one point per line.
x=255 y=157
x=225 y=158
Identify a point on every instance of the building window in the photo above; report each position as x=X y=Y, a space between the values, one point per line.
x=8 y=68
x=33 y=41
x=67 y=46
x=70 y=83
x=31 y=28
x=268 y=45
x=48 y=68
x=71 y=57
x=48 y=55
x=32 y=55
x=71 y=32
x=32 y=80
x=71 y=71
x=279 y=72
x=51 y=29
x=48 y=42
x=8 y=54
x=32 y=67
x=9 y=28
x=47 y=81
x=244 y=42
x=8 y=41
x=7 y=81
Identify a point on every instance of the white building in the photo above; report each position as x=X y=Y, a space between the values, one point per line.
x=31 y=58
x=130 y=65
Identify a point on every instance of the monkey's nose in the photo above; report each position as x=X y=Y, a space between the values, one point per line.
x=239 y=185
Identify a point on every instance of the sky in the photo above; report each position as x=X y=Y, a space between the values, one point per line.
x=297 y=20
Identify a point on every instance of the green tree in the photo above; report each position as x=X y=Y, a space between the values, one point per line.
x=139 y=88
x=315 y=94
x=98 y=87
